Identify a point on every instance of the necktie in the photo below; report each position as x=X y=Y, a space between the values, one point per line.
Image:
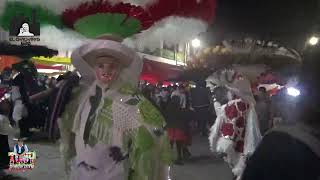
x=94 y=101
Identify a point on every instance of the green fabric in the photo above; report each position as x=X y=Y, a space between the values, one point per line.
x=98 y=24
x=144 y=139
x=102 y=127
x=66 y=125
x=43 y=16
x=142 y=156
x=166 y=153
x=146 y=152
x=150 y=114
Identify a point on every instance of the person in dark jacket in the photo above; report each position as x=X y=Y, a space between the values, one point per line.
x=20 y=100
x=292 y=152
x=4 y=127
x=200 y=100
x=177 y=127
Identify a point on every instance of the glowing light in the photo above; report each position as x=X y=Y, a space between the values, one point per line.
x=293 y=91
x=196 y=43
x=313 y=41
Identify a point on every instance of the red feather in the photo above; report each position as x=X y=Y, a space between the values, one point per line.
x=204 y=10
x=70 y=16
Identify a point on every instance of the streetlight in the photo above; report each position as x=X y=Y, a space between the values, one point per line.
x=313 y=41
x=196 y=43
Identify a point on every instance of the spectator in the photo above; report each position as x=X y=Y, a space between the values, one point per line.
x=177 y=127
x=263 y=109
x=20 y=101
x=200 y=100
x=180 y=92
x=4 y=131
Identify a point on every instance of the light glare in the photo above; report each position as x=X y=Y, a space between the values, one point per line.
x=313 y=41
x=196 y=43
x=293 y=91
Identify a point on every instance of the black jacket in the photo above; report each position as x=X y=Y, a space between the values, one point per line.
x=282 y=157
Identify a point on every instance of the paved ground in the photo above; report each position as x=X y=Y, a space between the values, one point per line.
x=202 y=166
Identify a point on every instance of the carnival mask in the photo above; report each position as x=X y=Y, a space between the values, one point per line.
x=106 y=70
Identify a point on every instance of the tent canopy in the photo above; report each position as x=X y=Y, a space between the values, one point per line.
x=154 y=72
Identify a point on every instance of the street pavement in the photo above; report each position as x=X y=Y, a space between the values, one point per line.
x=201 y=166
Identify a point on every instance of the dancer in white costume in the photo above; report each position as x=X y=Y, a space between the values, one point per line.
x=235 y=133
x=109 y=131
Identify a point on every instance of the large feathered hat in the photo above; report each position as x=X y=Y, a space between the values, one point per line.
x=68 y=24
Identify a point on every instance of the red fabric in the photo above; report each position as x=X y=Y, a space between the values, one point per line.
x=70 y=16
x=178 y=135
x=231 y=111
x=268 y=78
x=154 y=72
x=227 y=129
x=234 y=127
x=39 y=66
x=240 y=122
x=204 y=10
x=7 y=61
x=3 y=91
x=239 y=146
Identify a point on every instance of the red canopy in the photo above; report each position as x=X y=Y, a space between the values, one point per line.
x=39 y=66
x=154 y=72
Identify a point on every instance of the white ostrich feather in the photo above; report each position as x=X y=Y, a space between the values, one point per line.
x=57 y=6
x=172 y=30
x=63 y=40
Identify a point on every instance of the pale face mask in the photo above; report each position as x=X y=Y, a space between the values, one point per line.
x=106 y=70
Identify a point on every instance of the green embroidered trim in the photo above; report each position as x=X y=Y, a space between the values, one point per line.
x=150 y=114
x=128 y=89
x=102 y=127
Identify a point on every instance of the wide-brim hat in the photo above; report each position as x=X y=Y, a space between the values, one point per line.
x=107 y=49
x=19 y=139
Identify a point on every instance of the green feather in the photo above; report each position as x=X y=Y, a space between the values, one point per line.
x=98 y=24
x=44 y=16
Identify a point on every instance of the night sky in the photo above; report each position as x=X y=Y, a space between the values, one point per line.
x=283 y=21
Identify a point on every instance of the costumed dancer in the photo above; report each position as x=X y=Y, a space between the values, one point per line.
x=235 y=133
x=109 y=131
x=20 y=100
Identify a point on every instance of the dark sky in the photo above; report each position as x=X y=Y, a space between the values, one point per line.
x=284 y=21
